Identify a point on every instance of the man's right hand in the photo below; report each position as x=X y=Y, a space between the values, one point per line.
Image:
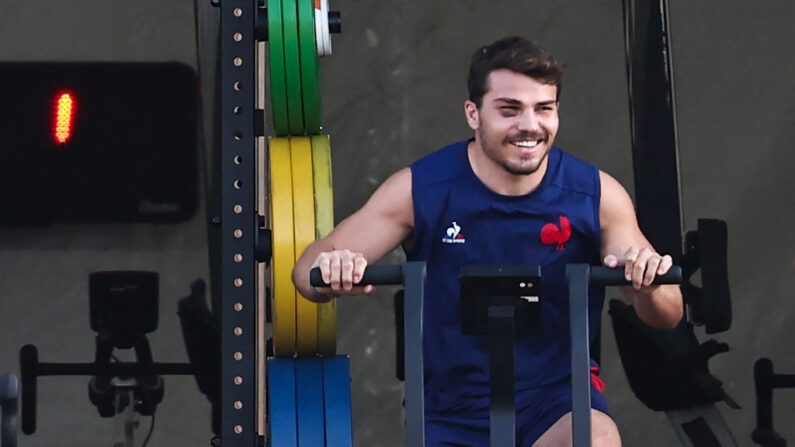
x=342 y=270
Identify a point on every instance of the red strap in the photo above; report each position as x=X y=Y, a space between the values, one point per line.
x=596 y=382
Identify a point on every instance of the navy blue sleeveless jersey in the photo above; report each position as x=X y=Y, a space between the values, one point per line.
x=459 y=221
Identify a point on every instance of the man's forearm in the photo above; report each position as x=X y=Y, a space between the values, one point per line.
x=662 y=308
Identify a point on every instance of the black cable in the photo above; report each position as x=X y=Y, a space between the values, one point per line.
x=151 y=429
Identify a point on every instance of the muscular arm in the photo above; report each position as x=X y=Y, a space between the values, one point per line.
x=624 y=244
x=376 y=229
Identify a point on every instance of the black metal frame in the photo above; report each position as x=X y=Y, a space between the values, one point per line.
x=238 y=223
x=655 y=154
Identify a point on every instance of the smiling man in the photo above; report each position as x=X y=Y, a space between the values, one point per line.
x=506 y=196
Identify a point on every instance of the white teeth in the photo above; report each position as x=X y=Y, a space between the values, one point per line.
x=533 y=143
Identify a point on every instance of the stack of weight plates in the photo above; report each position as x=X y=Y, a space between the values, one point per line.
x=308 y=385
x=300 y=171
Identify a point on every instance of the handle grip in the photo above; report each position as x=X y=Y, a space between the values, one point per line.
x=28 y=361
x=377 y=275
x=615 y=276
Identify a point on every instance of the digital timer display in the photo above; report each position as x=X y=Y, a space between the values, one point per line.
x=98 y=142
x=64 y=108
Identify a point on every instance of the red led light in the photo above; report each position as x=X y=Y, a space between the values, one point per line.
x=64 y=110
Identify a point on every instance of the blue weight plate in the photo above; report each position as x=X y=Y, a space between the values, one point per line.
x=281 y=392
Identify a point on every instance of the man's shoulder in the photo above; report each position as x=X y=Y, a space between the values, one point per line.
x=440 y=165
x=573 y=173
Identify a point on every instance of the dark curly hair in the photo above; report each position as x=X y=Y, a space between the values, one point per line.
x=516 y=54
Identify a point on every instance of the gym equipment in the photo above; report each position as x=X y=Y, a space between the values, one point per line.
x=500 y=301
x=689 y=404
x=310 y=81
x=324 y=223
x=303 y=198
x=283 y=292
x=123 y=309
x=292 y=66
x=276 y=67
x=579 y=277
x=765 y=381
x=412 y=276
x=313 y=394
x=300 y=177
x=9 y=404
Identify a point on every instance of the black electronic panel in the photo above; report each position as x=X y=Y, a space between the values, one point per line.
x=516 y=286
x=97 y=142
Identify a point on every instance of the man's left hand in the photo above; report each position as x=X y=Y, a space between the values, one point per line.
x=641 y=265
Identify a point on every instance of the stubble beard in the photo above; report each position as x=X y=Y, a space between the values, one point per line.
x=518 y=169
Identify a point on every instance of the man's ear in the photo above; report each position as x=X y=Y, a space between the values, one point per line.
x=472 y=114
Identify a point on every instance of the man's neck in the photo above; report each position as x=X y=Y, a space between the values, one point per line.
x=499 y=180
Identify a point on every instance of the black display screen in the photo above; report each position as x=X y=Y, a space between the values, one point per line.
x=97 y=142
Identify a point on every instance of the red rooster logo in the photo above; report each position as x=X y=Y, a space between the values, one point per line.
x=552 y=234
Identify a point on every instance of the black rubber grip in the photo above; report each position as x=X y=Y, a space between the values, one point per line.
x=28 y=360
x=377 y=275
x=615 y=276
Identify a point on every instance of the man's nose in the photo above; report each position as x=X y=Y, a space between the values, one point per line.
x=528 y=122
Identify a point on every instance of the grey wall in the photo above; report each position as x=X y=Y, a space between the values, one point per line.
x=44 y=272
x=393 y=91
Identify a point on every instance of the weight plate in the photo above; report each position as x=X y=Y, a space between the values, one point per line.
x=304 y=224
x=319 y=43
x=276 y=67
x=309 y=397
x=325 y=27
x=337 y=401
x=310 y=80
x=324 y=223
x=292 y=66
x=283 y=407
x=283 y=245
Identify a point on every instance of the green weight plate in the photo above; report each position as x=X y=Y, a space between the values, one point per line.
x=310 y=81
x=292 y=65
x=276 y=67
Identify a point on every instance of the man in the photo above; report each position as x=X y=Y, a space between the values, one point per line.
x=505 y=197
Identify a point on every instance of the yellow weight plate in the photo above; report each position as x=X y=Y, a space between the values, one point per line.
x=324 y=223
x=281 y=220
x=304 y=224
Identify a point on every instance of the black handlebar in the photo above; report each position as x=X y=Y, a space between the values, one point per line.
x=377 y=275
x=393 y=274
x=615 y=276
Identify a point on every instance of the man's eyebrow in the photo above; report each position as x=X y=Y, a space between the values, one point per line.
x=516 y=102
x=511 y=101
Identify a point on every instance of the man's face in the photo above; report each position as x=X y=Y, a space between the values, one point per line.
x=516 y=122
